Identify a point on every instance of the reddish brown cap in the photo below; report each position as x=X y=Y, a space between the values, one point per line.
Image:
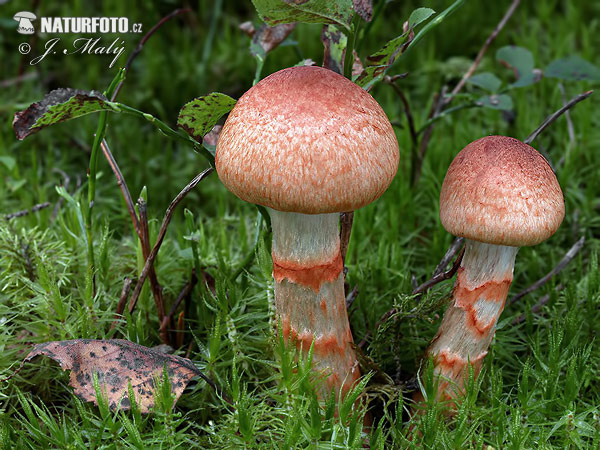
x=501 y=191
x=308 y=140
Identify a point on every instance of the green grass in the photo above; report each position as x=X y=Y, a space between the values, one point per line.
x=539 y=385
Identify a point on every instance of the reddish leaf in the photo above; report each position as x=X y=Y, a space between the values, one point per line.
x=117 y=362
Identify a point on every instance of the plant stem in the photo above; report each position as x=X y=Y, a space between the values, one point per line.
x=166 y=129
x=92 y=169
x=351 y=41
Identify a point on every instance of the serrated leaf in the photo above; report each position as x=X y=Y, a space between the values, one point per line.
x=274 y=12
x=486 y=80
x=334 y=42
x=58 y=106
x=116 y=363
x=573 y=68
x=200 y=115
x=382 y=59
x=419 y=15
x=521 y=61
x=501 y=102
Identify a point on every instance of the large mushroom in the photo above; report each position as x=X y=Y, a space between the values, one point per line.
x=500 y=194
x=308 y=144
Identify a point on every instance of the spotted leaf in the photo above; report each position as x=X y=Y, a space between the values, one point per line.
x=116 y=363
x=58 y=106
x=200 y=115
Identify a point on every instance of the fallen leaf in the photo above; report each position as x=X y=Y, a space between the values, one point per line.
x=117 y=362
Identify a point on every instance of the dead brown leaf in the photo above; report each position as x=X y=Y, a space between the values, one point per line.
x=268 y=38
x=117 y=362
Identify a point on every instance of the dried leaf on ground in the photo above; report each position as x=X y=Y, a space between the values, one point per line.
x=117 y=362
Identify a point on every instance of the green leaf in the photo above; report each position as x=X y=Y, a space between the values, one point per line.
x=486 y=80
x=419 y=15
x=274 y=12
x=573 y=68
x=383 y=59
x=521 y=61
x=380 y=61
x=501 y=102
x=8 y=161
x=200 y=115
x=58 y=106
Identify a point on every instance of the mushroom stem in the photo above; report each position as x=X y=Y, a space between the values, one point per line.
x=468 y=326
x=309 y=293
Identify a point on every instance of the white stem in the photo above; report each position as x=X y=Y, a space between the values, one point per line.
x=309 y=292
x=470 y=321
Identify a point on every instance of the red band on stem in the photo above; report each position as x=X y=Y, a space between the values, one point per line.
x=309 y=276
x=465 y=299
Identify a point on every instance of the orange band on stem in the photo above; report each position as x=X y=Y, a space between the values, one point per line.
x=310 y=276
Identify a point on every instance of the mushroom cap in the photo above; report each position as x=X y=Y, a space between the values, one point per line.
x=307 y=140
x=501 y=191
x=24 y=15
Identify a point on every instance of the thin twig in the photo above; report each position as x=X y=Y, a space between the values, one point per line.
x=145 y=241
x=33 y=209
x=438 y=278
x=122 y=186
x=346 y=220
x=552 y=117
x=351 y=297
x=509 y=12
x=123 y=298
x=538 y=306
x=140 y=45
x=187 y=289
x=570 y=127
x=450 y=253
x=161 y=234
x=560 y=266
x=407 y=112
x=419 y=155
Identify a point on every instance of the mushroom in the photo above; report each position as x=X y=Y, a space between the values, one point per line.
x=25 y=22
x=500 y=194
x=308 y=144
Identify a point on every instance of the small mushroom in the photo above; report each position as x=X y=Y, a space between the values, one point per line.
x=25 y=22
x=308 y=144
x=500 y=194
